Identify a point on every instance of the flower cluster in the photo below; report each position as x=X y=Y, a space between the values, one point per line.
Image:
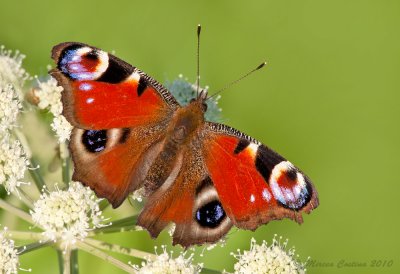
x=67 y=215
x=11 y=70
x=271 y=259
x=9 y=261
x=48 y=94
x=184 y=91
x=13 y=164
x=166 y=264
x=9 y=107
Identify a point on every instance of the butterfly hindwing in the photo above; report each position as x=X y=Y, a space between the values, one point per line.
x=101 y=91
x=113 y=162
x=188 y=199
x=254 y=183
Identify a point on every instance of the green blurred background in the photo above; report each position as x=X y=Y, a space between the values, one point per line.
x=328 y=101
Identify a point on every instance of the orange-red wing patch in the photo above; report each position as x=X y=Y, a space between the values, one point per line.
x=101 y=105
x=254 y=183
x=101 y=91
x=242 y=189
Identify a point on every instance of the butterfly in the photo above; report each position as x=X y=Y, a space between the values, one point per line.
x=130 y=133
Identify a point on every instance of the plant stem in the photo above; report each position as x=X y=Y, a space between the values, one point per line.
x=74 y=262
x=60 y=261
x=14 y=210
x=104 y=256
x=33 y=170
x=120 y=249
x=67 y=261
x=64 y=155
x=35 y=174
x=211 y=271
x=24 y=235
x=26 y=199
x=125 y=224
x=33 y=246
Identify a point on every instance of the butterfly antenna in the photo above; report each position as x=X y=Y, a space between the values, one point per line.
x=238 y=80
x=198 y=60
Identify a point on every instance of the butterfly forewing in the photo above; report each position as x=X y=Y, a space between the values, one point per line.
x=101 y=91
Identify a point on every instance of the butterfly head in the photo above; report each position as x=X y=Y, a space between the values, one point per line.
x=200 y=101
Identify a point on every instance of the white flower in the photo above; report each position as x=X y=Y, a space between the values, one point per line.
x=49 y=95
x=13 y=163
x=268 y=259
x=62 y=128
x=9 y=262
x=9 y=107
x=67 y=215
x=166 y=264
x=11 y=71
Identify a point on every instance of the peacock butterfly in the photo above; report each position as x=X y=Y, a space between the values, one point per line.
x=130 y=133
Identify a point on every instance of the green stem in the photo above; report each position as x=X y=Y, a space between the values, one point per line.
x=104 y=256
x=35 y=174
x=33 y=246
x=120 y=249
x=24 y=235
x=65 y=160
x=210 y=271
x=67 y=261
x=125 y=224
x=33 y=170
x=60 y=261
x=74 y=262
x=25 y=198
x=14 y=210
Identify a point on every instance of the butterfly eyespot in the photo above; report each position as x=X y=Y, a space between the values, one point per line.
x=94 y=140
x=210 y=215
x=83 y=63
x=289 y=187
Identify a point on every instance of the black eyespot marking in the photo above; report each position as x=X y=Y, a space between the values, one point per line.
x=125 y=134
x=210 y=215
x=92 y=55
x=117 y=71
x=292 y=173
x=243 y=143
x=204 y=184
x=94 y=140
x=142 y=85
x=266 y=159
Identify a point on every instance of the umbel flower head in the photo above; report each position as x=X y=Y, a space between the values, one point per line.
x=166 y=264
x=48 y=94
x=11 y=71
x=9 y=262
x=67 y=215
x=9 y=107
x=13 y=163
x=184 y=91
x=271 y=259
